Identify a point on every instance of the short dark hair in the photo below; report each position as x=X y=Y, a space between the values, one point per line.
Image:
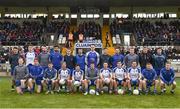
x=49 y=63
x=77 y=65
x=105 y=48
x=105 y=62
x=159 y=48
x=119 y=61
x=148 y=63
x=56 y=46
x=15 y=48
x=133 y=61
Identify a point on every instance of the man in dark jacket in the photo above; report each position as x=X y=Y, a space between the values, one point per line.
x=144 y=58
x=70 y=60
x=104 y=58
x=13 y=60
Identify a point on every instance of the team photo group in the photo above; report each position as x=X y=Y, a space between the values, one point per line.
x=50 y=72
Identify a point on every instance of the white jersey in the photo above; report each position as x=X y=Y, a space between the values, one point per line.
x=78 y=75
x=64 y=74
x=119 y=73
x=106 y=73
x=30 y=57
x=134 y=73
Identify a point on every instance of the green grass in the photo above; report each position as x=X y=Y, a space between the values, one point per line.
x=10 y=99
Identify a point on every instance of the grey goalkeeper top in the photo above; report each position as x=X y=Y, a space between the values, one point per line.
x=20 y=72
x=44 y=58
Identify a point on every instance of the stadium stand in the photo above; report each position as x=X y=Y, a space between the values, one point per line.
x=90 y=30
x=19 y=34
x=147 y=32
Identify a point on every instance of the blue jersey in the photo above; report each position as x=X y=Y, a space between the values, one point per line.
x=80 y=59
x=167 y=76
x=159 y=61
x=150 y=75
x=106 y=73
x=116 y=58
x=78 y=75
x=56 y=59
x=64 y=74
x=92 y=56
x=134 y=73
x=35 y=71
x=50 y=73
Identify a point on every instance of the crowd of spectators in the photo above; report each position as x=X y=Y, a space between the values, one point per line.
x=147 y=32
x=158 y=32
x=90 y=29
x=59 y=27
x=18 y=34
x=119 y=26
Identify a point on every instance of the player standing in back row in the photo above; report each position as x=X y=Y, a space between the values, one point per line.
x=92 y=56
x=159 y=61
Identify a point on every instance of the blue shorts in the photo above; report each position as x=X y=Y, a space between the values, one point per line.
x=149 y=83
x=134 y=82
x=18 y=83
x=49 y=82
x=92 y=82
x=71 y=71
x=119 y=81
x=158 y=71
x=38 y=81
x=12 y=70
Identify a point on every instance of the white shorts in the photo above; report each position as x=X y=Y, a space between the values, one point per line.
x=106 y=81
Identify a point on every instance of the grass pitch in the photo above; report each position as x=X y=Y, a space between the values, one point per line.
x=10 y=99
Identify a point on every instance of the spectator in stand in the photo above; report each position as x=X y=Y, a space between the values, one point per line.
x=107 y=40
x=90 y=29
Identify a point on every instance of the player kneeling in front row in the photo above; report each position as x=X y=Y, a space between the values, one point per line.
x=149 y=78
x=20 y=76
x=106 y=77
x=77 y=78
x=167 y=76
x=49 y=78
x=36 y=76
x=92 y=79
x=65 y=78
x=134 y=77
x=119 y=76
